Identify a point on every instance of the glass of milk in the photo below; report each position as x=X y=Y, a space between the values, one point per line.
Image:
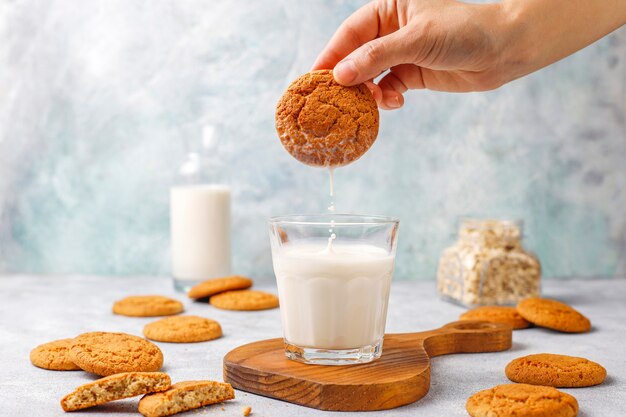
x=333 y=273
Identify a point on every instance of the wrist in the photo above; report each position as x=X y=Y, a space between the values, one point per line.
x=514 y=41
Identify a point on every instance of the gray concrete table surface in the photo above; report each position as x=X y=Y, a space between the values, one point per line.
x=37 y=309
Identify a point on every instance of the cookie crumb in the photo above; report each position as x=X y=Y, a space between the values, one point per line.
x=247 y=410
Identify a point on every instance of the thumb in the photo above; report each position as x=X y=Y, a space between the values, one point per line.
x=372 y=58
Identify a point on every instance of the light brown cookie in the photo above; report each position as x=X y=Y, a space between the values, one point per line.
x=559 y=371
x=323 y=123
x=553 y=315
x=521 y=400
x=497 y=314
x=217 y=285
x=183 y=329
x=104 y=353
x=147 y=306
x=54 y=355
x=115 y=387
x=184 y=396
x=244 y=300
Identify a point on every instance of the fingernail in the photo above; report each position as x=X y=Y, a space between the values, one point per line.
x=394 y=102
x=345 y=72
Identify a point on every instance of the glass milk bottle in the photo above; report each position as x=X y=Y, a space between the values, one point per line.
x=200 y=216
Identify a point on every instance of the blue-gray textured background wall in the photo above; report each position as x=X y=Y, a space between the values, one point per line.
x=99 y=98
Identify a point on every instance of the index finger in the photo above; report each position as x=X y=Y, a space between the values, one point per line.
x=361 y=27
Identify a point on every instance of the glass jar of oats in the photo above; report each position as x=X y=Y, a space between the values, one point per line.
x=488 y=265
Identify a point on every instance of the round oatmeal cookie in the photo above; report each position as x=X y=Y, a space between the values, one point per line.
x=217 y=285
x=147 y=306
x=323 y=123
x=521 y=400
x=54 y=356
x=559 y=371
x=183 y=329
x=244 y=300
x=497 y=314
x=553 y=315
x=104 y=353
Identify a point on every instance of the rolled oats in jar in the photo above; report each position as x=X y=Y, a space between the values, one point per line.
x=488 y=265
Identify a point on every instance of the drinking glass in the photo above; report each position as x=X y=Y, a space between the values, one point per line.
x=333 y=273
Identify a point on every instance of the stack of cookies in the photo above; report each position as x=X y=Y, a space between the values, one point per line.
x=100 y=353
x=536 y=376
x=232 y=293
x=553 y=315
x=540 y=312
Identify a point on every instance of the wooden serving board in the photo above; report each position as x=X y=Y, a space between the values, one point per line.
x=401 y=375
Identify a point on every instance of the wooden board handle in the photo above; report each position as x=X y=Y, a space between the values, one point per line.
x=468 y=336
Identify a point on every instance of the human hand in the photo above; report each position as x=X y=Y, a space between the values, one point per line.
x=441 y=45
x=451 y=46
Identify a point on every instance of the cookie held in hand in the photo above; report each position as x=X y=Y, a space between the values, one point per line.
x=323 y=123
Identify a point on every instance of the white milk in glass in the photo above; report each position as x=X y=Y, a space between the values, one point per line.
x=200 y=214
x=333 y=296
x=200 y=233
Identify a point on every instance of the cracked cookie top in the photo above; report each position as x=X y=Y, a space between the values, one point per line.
x=147 y=306
x=553 y=315
x=323 y=123
x=521 y=400
x=104 y=353
x=555 y=371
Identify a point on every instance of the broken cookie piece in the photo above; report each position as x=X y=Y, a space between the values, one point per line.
x=184 y=396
